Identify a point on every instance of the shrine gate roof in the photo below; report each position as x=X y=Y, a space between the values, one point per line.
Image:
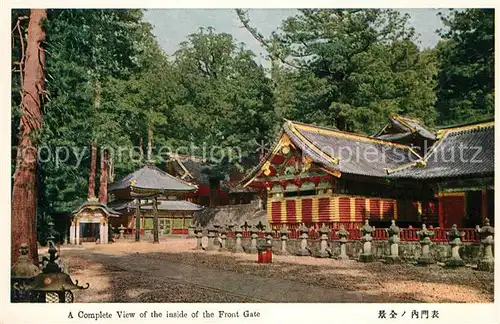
x=460 y=151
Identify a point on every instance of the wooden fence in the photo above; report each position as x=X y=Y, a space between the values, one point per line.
x=406 y=235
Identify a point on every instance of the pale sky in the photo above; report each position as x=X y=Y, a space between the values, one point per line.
x=172 y=26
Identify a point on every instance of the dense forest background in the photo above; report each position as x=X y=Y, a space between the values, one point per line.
x=108 y=81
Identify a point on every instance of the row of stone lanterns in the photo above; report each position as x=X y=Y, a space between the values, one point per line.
x=218 y=242
x=50 y=285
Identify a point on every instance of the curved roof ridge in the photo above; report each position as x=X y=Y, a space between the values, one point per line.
x=356 y=135
x=467 y=127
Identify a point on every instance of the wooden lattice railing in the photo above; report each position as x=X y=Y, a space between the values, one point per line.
x=406 y=235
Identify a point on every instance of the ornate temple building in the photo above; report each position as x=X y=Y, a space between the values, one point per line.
x=175 y=214
x=317 y=175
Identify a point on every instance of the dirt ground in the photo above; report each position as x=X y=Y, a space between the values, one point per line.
x=133 y=272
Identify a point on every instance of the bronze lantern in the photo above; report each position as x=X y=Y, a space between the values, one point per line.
x=51 y=285
x=22 y=273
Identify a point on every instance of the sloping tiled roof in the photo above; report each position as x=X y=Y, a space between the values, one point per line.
x=171 y=205
x=460 y=151
x=356 y=154
x=152 y=178
x=190 y=168
x=343 y=152
x=406 y=126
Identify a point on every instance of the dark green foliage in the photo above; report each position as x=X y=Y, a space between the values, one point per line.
x=351 y=69
x=466 y=57
x=225 y=99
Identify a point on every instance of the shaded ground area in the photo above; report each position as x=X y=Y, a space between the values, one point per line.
x=172 y=272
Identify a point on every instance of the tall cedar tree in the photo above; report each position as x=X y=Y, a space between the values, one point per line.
x=23 y=216
x=349 y=68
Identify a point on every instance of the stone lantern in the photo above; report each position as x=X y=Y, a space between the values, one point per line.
x=212 y=233
x=425 y=241
x=324 y=251
x=198 y=231
x=304 y=235
x=51 y=285
x=454 y=236
x=366 y=238
x=223 y=238
x=238 y=233
x=393 y=232
x=284 y=238
x=22 y=273
x=486 y=232
x=342 y=233
x=122 y=230
x=253 y=234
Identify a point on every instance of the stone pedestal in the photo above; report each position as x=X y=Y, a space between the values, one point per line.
x=237 y=246
x=199 y=244
x=212 y=242
x=393 y=257
x=222 y=247
x=487 y=263
x=304 y=251
x=253 y=247
x=425 y=258
x=323 y=247
x=367 y=255
x=343 y=250
x=455 y=260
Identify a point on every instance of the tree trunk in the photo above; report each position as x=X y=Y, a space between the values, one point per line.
x=103 y=181
x=141 y=152
x=156 y=238
x=23 y=214
x=150 y=140
x=93 y=166
x=111 y=170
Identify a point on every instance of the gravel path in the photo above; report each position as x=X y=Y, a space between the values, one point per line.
x=123 y=272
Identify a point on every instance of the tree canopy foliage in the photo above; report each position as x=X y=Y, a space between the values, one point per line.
x=466 y=60
x=109 y=82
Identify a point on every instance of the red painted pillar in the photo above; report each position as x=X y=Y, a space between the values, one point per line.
x=484 y=204
x=440 y=212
